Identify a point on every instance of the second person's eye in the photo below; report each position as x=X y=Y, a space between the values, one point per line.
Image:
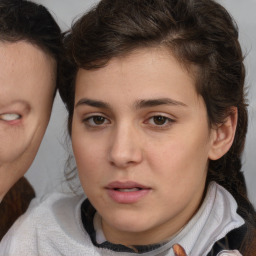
x=10 y=117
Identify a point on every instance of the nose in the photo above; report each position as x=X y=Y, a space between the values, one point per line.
x=125 y=147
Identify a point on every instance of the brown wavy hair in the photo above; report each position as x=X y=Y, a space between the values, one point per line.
x=198 y=33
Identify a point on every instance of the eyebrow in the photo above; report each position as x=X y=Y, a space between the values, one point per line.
x=138 y=104
x=158 y=102
x=92 y=103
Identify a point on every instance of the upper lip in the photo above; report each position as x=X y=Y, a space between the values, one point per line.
x=125 y=185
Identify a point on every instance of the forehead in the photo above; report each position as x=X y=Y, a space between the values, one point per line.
x=142 y=72
x=22 y=53
x=24 y=70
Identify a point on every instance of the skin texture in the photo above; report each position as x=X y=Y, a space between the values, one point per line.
x=27 y=85
x=120 y=135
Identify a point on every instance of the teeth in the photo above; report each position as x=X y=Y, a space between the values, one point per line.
x=9 y=117
x=127 y=189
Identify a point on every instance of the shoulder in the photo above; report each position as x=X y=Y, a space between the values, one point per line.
x=46 y=219
x=46 y=209
x=223 y=227
x=38 y=213
x=232 y=240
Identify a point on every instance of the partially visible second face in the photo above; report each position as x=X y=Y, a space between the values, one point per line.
x=141 y=140
x=27 y=86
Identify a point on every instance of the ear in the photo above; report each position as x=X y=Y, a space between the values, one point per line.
x=223 y=135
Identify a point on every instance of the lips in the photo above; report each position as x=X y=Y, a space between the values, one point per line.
x=127 y=189
x=127 y=192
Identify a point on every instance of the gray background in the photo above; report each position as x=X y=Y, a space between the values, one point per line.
x=46 y=173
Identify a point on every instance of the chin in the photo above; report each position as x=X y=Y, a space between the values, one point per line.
x=130 y=225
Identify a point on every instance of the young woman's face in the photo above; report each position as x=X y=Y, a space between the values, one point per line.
x=27 y=85
x=141 y=141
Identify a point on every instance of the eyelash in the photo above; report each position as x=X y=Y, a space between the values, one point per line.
x=167 y=121
x=87 y=121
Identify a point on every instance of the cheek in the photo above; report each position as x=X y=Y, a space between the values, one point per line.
x=23 y=139
x=179 y=171
x=180 y=158
x=87 y=155
x=89 y=164
x=13 y=143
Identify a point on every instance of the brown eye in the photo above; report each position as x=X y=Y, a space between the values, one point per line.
x=160 y=120
x=98 y=120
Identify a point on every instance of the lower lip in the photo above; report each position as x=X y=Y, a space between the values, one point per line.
x=14 y=122
x=11 y=122
x=127 y=197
